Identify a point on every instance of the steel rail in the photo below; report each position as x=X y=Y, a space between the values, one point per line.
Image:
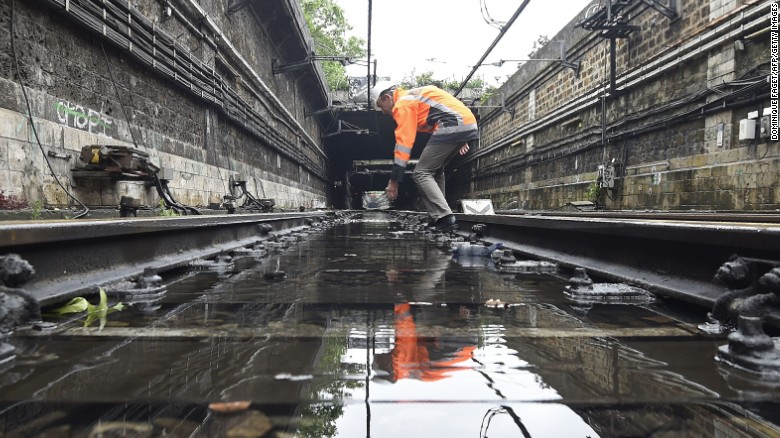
x=675 y=255
x=701 y=217
x=72 y=258
x=670 y=255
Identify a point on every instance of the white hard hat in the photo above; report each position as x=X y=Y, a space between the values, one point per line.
x=379 y=88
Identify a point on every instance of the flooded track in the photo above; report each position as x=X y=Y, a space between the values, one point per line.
x=367 y=330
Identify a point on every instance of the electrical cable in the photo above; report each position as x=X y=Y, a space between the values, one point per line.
x=163 y=54
x=604 y=111
x=755 y=84
x=119 y=96
x=225 y=182
x=603 y=125
x=744 y=80
x=488 y=19
x=29 y=114
x=162 y=188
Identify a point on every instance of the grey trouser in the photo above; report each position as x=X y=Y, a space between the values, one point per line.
x=429 y=176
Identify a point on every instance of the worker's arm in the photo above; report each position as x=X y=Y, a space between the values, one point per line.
x=405 y=133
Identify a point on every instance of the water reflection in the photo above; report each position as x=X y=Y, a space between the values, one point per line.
x=374 y=334
x=439 y=363
x=447 y=383
x=415 y=357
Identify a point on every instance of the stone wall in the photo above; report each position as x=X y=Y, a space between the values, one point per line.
x=85 y=89
x=671 y=128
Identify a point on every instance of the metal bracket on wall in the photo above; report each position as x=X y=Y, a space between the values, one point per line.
x=327 y=109
x=503 y=107
x=574 y=65
x=276 y=68
x=669 y=11
x=352 y=129
x=612 y=21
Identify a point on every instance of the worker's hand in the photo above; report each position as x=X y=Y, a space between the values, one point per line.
x=464 y=149
x=392 y=190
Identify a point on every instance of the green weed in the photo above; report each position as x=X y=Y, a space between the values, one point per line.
x=98 y=312
x=37 y=208
x=592 y=192
x=164 y=211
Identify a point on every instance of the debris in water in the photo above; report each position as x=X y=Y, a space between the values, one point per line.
x=495 y=303
x=293 y=378
x=229 y=407
x=583 y=290
x=247 y=424
x=527 y=267
x=468 y=249
x=275 y=275
x=121 y=428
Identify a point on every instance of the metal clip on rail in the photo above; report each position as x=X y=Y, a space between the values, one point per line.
x=748 y=302
x=17 y=307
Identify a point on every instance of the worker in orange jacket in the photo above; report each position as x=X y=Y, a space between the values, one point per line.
x=453 y=127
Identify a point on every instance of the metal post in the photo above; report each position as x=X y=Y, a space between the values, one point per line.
x=368 y=76
x=612 y=50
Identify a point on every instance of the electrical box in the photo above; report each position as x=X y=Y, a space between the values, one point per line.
x=165 y=174
x=747 y=129
x=607 y=176
x=764 y=131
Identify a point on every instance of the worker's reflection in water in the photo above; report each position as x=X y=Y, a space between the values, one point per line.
x=421 y=358
x=431 y=357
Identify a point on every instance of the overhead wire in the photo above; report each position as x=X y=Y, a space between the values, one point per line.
x=492 y=46
x=489 y=19
x=29 y=114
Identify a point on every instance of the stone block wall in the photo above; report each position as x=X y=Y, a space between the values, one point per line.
x=671 y=128
x=84 y=90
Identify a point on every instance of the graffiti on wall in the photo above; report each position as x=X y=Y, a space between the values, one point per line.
x=82 y=118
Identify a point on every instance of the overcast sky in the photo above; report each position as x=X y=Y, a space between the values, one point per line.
x=448 y=37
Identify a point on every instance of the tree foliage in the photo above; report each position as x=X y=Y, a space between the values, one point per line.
x=487 y=93
x=538 y=45
x=426 y=78
x=328 y=26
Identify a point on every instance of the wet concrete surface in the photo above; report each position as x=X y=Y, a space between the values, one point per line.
x=376 y=332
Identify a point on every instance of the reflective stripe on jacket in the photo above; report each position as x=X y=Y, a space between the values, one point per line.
x=428 y=109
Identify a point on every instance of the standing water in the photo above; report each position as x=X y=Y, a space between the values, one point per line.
x=366 y=330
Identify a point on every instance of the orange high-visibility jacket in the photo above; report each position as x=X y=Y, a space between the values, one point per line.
x=429 y=109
